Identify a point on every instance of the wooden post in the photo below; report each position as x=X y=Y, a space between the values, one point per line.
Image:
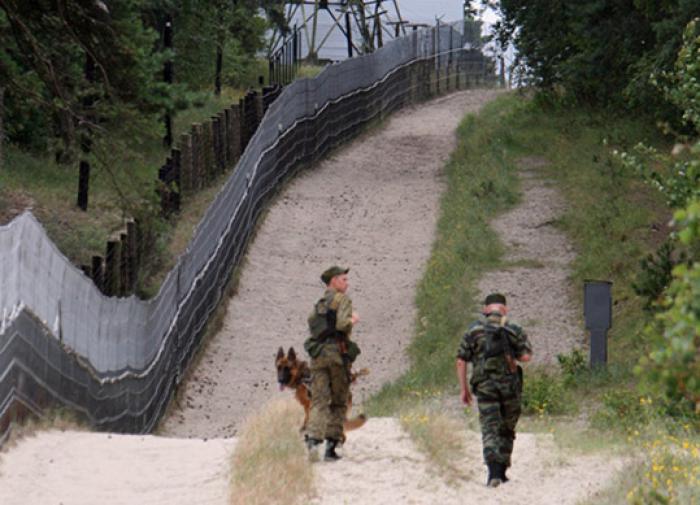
x=176 y=179
x=185 y=163
x=124 y=274
x=112 y=261
x=235 y=133
x=208 y=152
x=133 y=254
x=197 y=157
x=98 y=272
x=83 y=184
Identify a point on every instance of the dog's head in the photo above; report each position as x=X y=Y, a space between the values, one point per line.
x=287 y=368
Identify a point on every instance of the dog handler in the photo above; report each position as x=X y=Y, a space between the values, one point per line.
x=494 y=346
x=331 y=353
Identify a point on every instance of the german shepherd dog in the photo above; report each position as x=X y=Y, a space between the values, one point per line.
x=296 y=374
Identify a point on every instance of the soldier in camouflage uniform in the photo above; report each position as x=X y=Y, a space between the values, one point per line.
x=494 y=346
x=330 y=325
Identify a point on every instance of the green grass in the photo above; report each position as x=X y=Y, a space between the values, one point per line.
x=609 y=218
x=480 y=183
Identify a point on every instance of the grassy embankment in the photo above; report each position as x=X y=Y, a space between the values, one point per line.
x=614 y=220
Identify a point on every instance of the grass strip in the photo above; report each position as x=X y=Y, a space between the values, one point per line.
x=480 y=183
x=270 y=464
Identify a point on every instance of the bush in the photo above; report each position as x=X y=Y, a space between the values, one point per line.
x=573 y=366
x=544 y=393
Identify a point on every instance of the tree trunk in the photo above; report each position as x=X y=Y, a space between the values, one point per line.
x=67 y=133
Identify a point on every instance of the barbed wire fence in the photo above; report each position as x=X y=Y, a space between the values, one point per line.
x=117 y=361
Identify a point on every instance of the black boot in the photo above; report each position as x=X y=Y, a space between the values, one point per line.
x=496 y=473
x=313 y=446
x=330 y=454
x=504 y=477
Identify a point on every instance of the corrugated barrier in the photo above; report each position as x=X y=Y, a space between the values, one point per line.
x=117 y=361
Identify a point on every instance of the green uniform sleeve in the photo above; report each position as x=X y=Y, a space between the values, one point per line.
x=519 y=340
x=466 y=345
x=344 y=314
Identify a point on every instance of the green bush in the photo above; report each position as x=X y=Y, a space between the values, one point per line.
x=573 y=366
x=544 y=393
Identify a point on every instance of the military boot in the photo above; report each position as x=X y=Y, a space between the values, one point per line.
x=495 y=478
x=504 y=477
x=313 y=445
x=330 y=454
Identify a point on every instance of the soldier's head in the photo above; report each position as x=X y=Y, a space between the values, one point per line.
x=336 y=278
x=495 y=303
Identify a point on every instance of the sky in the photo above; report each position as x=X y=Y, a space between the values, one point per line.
x=414 y=11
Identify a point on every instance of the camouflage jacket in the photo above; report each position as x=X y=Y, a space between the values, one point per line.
x=331 y=300
x=473 y=347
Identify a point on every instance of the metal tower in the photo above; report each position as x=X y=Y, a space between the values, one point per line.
x=363 y=25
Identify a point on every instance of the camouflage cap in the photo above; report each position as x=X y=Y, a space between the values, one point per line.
x=495 y=298
x=332 y=272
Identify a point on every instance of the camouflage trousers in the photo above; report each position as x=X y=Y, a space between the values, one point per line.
x=499 y=410
x=329 y=394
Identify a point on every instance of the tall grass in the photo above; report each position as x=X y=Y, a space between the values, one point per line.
x=270 y=464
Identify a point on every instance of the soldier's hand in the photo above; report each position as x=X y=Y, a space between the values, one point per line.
x=355 y=318
x=466 y=397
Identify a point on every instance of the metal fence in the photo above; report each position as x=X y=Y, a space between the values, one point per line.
x=117 y=361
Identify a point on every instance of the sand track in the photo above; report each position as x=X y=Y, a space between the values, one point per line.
x=373 y=206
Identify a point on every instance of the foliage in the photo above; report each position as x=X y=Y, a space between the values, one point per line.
x=544 y=394
x=675 y=360
x=598 y=51
x=655 y=274
x=573 y=366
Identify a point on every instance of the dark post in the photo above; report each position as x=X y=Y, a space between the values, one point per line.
x=124 y=274
x=98 y=272
x=83 y=184
x=597 y=309
x=295 y=50
x=348 y=31
x=133 y=256
x=112 y=260
x=85 y=141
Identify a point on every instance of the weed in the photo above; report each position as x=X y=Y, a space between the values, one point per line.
x=270 y=464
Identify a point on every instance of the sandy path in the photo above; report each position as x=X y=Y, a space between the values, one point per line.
x=81 y=468
x=382 y=465
x=372 y=206
x=538 y=291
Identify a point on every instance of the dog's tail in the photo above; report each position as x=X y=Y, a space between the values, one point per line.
x=354 y=423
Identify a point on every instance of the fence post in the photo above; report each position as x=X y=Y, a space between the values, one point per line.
x=124 y=274
x=216 y=145
x=176 y=178
x=98 y=272
x=112 y=261
x=197 y=157
x=133 y=254
x=235 y=133
x=185 y=163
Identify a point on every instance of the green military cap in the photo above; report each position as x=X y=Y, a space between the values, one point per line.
x=332 y=272
x=495 y=298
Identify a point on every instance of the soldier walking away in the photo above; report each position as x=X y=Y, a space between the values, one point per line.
x=332 y=353
x=494 y=346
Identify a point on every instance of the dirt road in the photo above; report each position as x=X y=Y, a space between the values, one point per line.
x=371 y=206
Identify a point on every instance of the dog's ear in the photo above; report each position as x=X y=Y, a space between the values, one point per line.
x=291 y=355
x=280 y=353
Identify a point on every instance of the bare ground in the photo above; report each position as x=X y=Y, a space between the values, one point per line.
x=372 y=206
x=536 y=282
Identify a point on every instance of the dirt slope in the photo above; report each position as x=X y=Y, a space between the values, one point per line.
x=372 y=206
